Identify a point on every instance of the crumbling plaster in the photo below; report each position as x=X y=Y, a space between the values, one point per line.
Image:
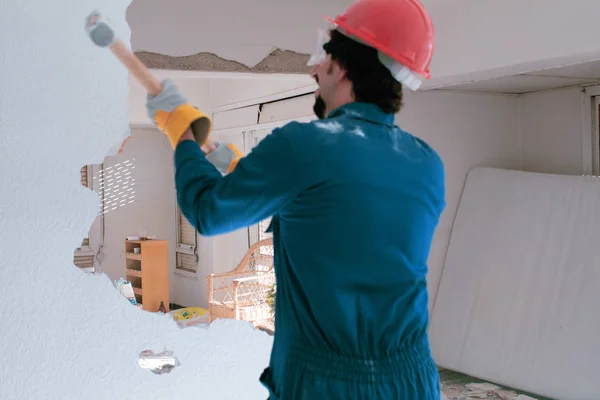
x=279 y=61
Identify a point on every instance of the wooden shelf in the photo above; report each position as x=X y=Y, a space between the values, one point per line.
x=133 y=256
x=148 y=272
x=133 y=272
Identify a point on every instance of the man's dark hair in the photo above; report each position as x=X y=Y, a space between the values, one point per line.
x=371 y=80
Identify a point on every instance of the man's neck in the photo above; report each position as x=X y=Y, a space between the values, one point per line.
x=342 y=100
x=343 y=95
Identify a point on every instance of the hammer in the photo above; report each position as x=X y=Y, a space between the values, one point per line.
x=103 y=35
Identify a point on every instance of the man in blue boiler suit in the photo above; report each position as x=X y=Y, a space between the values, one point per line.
x=354 y=202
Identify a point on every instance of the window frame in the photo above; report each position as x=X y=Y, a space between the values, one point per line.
x=184 y=248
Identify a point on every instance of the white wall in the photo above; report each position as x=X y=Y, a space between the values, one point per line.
x=153 y=209
x=551 y=131
x=197 y=91
x=186 y=289
x=215 y=90
x=467 y=130
x=229 y=91
x=538 y=132
x=66 y=334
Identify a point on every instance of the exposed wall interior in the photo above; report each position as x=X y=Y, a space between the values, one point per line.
x=278 y=61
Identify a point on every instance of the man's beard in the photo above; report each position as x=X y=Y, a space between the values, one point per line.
x=319 y=107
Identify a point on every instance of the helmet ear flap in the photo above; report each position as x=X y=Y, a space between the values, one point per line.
x=401 y=73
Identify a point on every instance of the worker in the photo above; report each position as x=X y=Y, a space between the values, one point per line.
x=354 y=201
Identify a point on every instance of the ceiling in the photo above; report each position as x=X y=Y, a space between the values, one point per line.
x=571 y=75
x=255 y=29
x=244 y=31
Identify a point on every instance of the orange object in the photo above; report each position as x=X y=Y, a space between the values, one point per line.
x=136 y=67
x=148 y=272
x=400 y=29
x=238 y=156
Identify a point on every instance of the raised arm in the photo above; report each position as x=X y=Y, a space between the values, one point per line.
x=255 y=187
x=258 y=187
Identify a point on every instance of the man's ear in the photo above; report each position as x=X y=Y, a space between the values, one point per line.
x=339 y=72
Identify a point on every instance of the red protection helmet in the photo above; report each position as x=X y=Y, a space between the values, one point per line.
x=400 y=29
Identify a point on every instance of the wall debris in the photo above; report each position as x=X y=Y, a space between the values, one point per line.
x=159 y=363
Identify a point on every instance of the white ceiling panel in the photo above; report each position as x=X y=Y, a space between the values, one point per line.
x=517 y=84
x=590 y=70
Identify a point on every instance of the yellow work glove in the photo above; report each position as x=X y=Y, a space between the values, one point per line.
x=172 y=114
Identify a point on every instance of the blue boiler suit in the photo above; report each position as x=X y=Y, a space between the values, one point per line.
x=355 y=201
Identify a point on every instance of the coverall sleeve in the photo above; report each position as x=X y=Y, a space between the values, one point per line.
x=259 y=186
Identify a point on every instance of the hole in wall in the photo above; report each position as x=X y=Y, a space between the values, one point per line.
x=115 y=181
x=127 y=257
x=126 y=184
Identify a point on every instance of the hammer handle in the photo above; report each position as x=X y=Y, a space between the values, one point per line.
x=136 y=67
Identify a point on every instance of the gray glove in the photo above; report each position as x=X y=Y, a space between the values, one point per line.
x=167 y=100
x=225 y=157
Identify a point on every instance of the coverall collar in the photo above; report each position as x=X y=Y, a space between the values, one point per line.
x=366 y=111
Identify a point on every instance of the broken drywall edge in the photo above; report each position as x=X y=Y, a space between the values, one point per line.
x=279 y=61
